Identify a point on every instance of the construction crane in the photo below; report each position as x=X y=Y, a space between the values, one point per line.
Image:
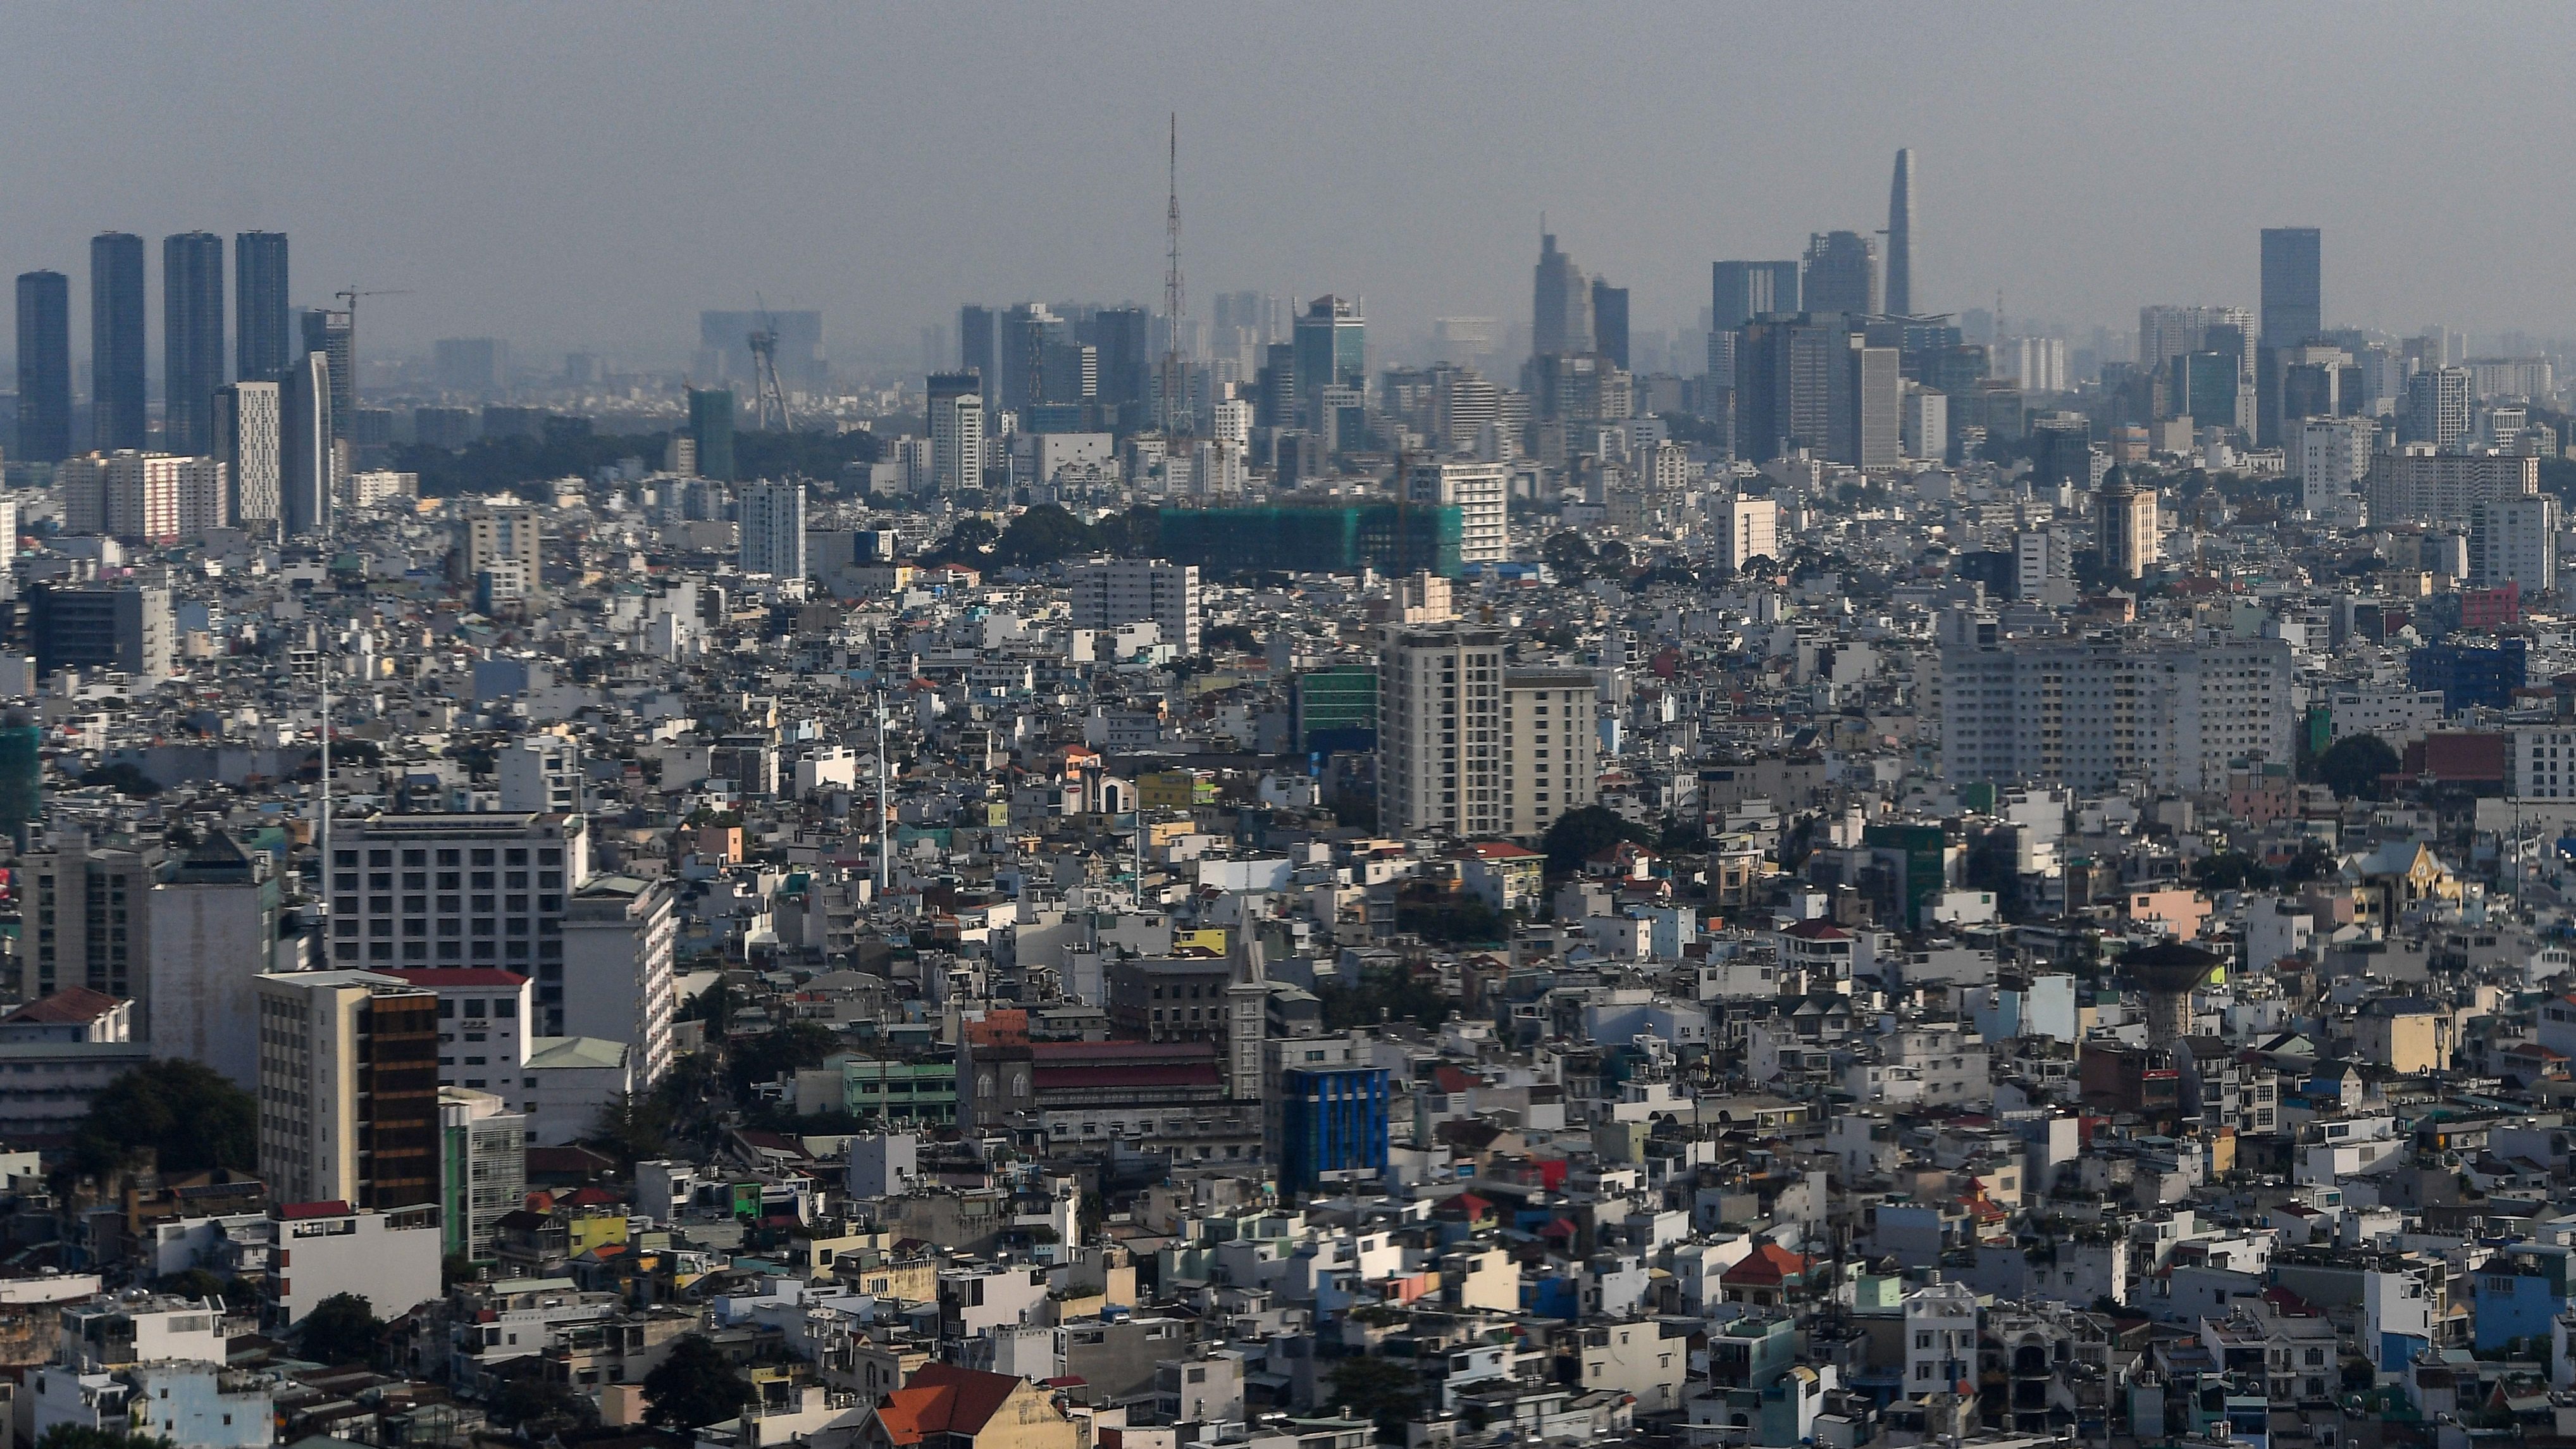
x=348 y=298
x=766 y=392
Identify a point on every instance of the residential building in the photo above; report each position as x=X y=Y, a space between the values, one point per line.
x=1480 y=494
x=348 y=1097
x=772 y=520
x=1107 y=593
x=480 y=890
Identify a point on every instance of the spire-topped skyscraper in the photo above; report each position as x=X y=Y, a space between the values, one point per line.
x=1900 y=237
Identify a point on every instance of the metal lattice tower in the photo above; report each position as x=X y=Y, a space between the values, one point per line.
x=1175 y=395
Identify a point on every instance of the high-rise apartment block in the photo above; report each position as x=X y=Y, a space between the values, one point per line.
x=1744 y=528
x=957 y=432
x=2128 y=536
x=1467 y=746
x=308 y=455
x=459 y=890
x=1481 y=493
x=2514 y=539
x=772 y=521
x=44 y=367
x=249 y=442
x=2332 y=459
x=2440 y=406
x=619 y=933
x=501 y=550
x=192 y=331
x=118 y=418
x=2091 y=712
x=2418 y=485
x=348 y=1089
x=1109 y=592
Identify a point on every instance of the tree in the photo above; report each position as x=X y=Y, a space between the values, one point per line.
x=124 y=778
x=2230 y=870
x=694 y=1387
x=969 y=542
x=342 y=1328
x=185 y=1115
x=1568 y=555
x=81 y=1436
x=797 y=1046
x=540 y=1407
x=1378 y=1389
x=1043 y=535
x=1579 y=835
x=2352 y=766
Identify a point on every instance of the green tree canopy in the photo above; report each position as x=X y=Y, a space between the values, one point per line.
x=797 y=1046
x=184 y=1115
x=1377 y=1389
x=1579 y=835
x=342 y=1328
x=1043 y=535
x=2352 y=766
x=81 y=1436
x=695 y=1386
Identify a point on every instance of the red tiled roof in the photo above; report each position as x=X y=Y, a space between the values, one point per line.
x=71 y=1004
x=290 y=1211
x=1767 y=1263
x=944 y=1399
x=1112 y=1074
x=447 y=976
x=1817 y=930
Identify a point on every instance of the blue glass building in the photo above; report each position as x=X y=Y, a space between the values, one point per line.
x=1330 y=1120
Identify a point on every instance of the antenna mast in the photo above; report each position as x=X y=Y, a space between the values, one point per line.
x=770 y=399
x=1175 y=394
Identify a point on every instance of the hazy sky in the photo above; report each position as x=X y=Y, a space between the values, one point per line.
x=571 y=175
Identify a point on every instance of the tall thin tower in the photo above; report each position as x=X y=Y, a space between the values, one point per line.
x=1900 y=237
x=1175 y=394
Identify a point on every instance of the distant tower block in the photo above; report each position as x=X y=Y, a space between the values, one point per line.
x=2169 y=974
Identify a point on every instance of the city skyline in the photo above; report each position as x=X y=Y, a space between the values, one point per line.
x=598 y=249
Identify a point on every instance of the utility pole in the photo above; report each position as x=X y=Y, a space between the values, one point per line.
x=885 y=809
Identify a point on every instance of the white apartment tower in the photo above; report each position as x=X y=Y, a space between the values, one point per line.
x=541 y=774
x=772 y=518
x=957 y=442
x=2514 y=539
x=1110 y=592
x=1481 y=495
x=1440 y=733
x=2093 y=712
x=1470 y=748
x=2333 y=458
x=1745 y=528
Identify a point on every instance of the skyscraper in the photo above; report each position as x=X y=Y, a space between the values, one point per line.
x=1122 y=335
x=772 y=518
x=247 y=439
x=2293 y=286
x=1900 y=236
x=1842 y=274
x=1795 y=387
x=333 y=333
x=1610 y=321
x=1332 y=351
x=956 y=432
x=711 y=427
x=977 y=331
x=264 y=332
x=192 y=339
x=307 y=456
x=44 y=367
x=1560 y=304
x=117 y=415
x=1742 y=291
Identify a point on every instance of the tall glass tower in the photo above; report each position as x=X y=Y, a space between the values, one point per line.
x=117 y=415
x=44 y=367
x=2293 y=285
x=1900 y=237
x=192 y=337
x=264 y=336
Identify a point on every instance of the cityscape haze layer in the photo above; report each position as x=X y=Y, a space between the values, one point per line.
x=1142 y=728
